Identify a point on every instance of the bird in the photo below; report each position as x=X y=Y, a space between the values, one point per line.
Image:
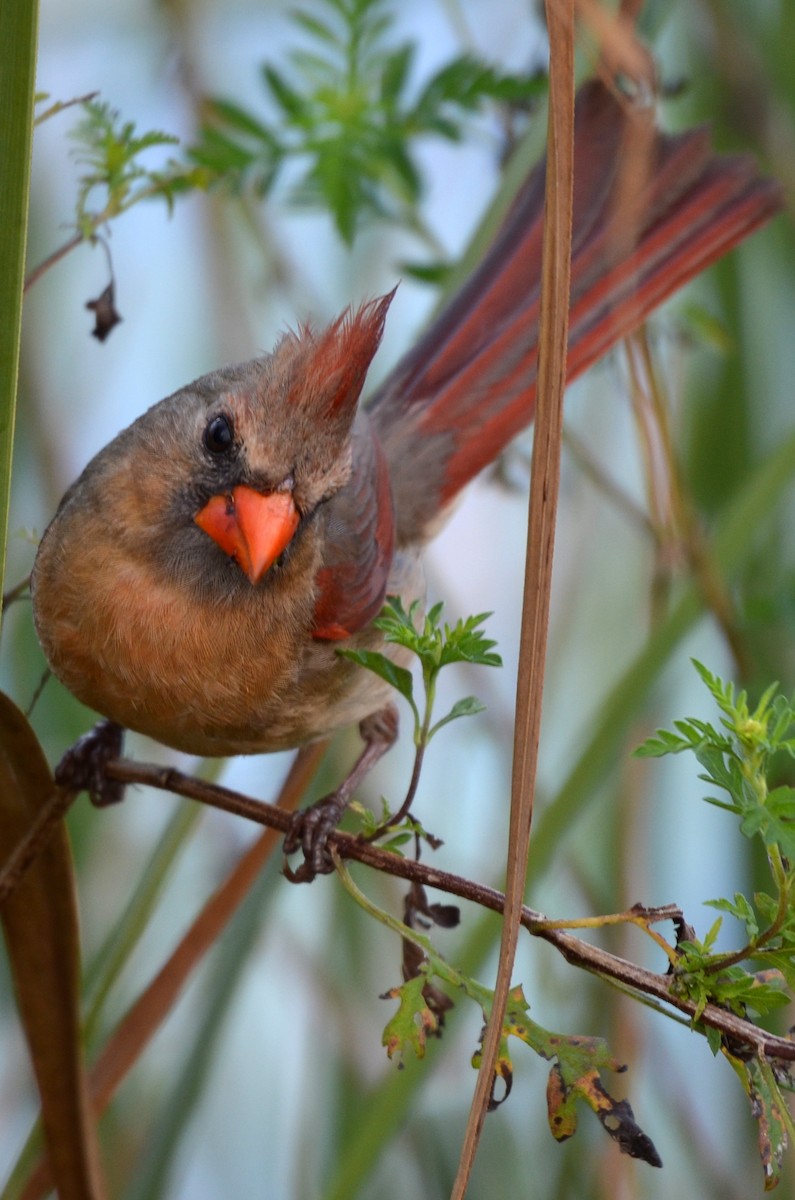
x=198 y=578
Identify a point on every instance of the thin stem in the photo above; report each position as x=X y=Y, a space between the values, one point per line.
x=35 y=275
x=752 y=948
x=61 y=105
x=438 y=966
x=421 y=731
x=95 y=221
x=639 y=917
x=39 y=831
x=405 y=807
x=576 y=952
x=15 y=593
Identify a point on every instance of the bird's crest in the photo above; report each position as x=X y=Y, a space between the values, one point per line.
x=334 y=361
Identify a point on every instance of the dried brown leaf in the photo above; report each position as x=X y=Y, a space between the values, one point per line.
x=41 y=932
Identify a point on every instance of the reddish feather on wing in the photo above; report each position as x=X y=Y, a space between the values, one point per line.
x=359 y=546
x=650 y=212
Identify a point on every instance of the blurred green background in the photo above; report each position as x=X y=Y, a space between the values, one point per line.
x=269 y=1079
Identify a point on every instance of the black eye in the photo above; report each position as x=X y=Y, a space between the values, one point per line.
x=219 y=434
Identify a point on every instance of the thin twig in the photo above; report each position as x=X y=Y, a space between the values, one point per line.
x=35 y=275
x=61 y=105
x=581 y=954
x=39 y=831
x=15 y=593
x=405 y=808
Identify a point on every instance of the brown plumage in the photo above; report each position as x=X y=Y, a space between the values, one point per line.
x=197 y=578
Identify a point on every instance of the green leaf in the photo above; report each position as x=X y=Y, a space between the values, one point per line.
x=469 y=706
x=714 y=1038
x=413 y=1021
x=291 y=102
x=435 y=273
x=661 y=743
x=781 y=803
x=465 y=642
x=317 y=28
x=222 y=155
x=782 y=961
x=398 y=169
x=740 y=908
x=398 y=677
x=239 y=119
x=698 y=732
x=725 y=772
x=773 y=828
x=395 y=72
x=348 y=121
x=433 y=615
x=722 y=692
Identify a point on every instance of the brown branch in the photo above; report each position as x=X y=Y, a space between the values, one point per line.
x=576 y=952
x=35 y=275
x=15 y=593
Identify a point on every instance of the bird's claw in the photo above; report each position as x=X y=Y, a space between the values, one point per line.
x=82 y=768
x=309 y=832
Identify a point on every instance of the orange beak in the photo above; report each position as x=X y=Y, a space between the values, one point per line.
x=252 y=528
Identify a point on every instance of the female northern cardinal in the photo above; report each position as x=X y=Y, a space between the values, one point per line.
x=199 y=575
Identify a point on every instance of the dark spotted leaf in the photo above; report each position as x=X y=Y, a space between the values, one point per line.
x=413 y=1021
x=769 y=1108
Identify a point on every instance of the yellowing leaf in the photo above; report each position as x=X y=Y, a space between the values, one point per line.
x=413 y=1021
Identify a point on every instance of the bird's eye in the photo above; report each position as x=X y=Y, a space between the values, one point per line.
x=219 y=435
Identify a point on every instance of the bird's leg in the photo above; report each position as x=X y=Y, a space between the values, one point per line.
x=311 y=828
x=82 y=768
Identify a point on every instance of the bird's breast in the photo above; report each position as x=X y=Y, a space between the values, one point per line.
x=199 y=675
x=225 y=672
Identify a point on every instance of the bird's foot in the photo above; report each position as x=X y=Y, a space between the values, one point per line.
x=310 y=830
x=309 y=833
x=82 y=768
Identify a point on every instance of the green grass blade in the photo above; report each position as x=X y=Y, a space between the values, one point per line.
x=121 y=942
x=153 y=1170
x=18 y=27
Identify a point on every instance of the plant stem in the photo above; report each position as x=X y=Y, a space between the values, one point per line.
x=25 y=852
x=610 y=967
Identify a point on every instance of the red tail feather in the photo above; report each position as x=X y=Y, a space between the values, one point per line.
x=650 y=212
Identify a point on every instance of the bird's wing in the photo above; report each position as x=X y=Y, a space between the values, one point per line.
x=351 y=583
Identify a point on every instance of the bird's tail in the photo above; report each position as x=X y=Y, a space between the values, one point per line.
x=651 y=211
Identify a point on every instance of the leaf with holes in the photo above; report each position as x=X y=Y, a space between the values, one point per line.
x=413 y=1021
